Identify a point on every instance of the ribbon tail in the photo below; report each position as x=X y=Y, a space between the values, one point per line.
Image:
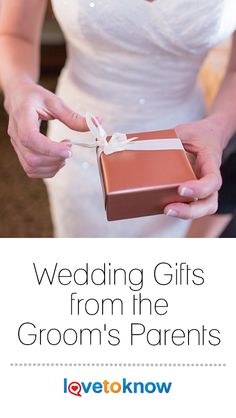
x=90 y=144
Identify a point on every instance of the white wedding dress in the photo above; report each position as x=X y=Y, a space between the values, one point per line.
x=134 y=63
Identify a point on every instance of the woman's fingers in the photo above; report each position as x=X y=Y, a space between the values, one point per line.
x=210 y=178
x=201 y=188
x=34 y=159
x=204 y=140
x=39 y=156
x=27 y=133
x=39 y=143
x=193 y=210
x=40 y=172
x=36 y=165
x=45 y=172
x=59 y=110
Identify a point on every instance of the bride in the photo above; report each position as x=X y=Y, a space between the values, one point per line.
x=135 y=64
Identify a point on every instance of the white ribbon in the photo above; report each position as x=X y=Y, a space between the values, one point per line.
x=120 y=142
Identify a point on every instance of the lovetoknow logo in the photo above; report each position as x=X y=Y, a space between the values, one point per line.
x=123 y=386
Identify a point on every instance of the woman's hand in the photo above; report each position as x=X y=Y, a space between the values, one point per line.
x=204 y=139
x=27 y=105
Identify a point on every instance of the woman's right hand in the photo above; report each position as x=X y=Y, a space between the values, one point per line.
x=27 y=105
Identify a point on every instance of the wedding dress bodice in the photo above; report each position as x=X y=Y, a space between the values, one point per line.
x=143 y=57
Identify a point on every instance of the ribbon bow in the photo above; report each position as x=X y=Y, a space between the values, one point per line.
x=120 y=142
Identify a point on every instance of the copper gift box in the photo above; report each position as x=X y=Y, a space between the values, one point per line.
x=141 y=183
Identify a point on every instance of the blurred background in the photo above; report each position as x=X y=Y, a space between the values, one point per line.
x=24 y=210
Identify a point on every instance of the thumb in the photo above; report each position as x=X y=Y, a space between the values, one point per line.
x=67 y=116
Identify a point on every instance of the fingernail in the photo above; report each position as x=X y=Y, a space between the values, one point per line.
x=172 y=212
x=66 y=154
x=67 y=142
x=69 y=154
x=186 y=192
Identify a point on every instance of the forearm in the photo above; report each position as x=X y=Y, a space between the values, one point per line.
x=20 y=32
x=223 y=110
x=19 y=62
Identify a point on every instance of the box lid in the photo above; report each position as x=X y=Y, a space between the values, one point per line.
x=128 y=170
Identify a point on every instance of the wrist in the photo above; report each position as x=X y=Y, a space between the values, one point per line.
x=224 y=126
x=13 y=88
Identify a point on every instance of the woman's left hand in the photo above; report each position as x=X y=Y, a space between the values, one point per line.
x=204 y=140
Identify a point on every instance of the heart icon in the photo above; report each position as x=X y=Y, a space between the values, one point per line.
x=75 y=388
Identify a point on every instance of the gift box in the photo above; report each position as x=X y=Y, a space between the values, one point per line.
x=141 y=182
x=140 y=172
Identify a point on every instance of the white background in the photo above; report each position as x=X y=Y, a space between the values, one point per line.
x=38 y=391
